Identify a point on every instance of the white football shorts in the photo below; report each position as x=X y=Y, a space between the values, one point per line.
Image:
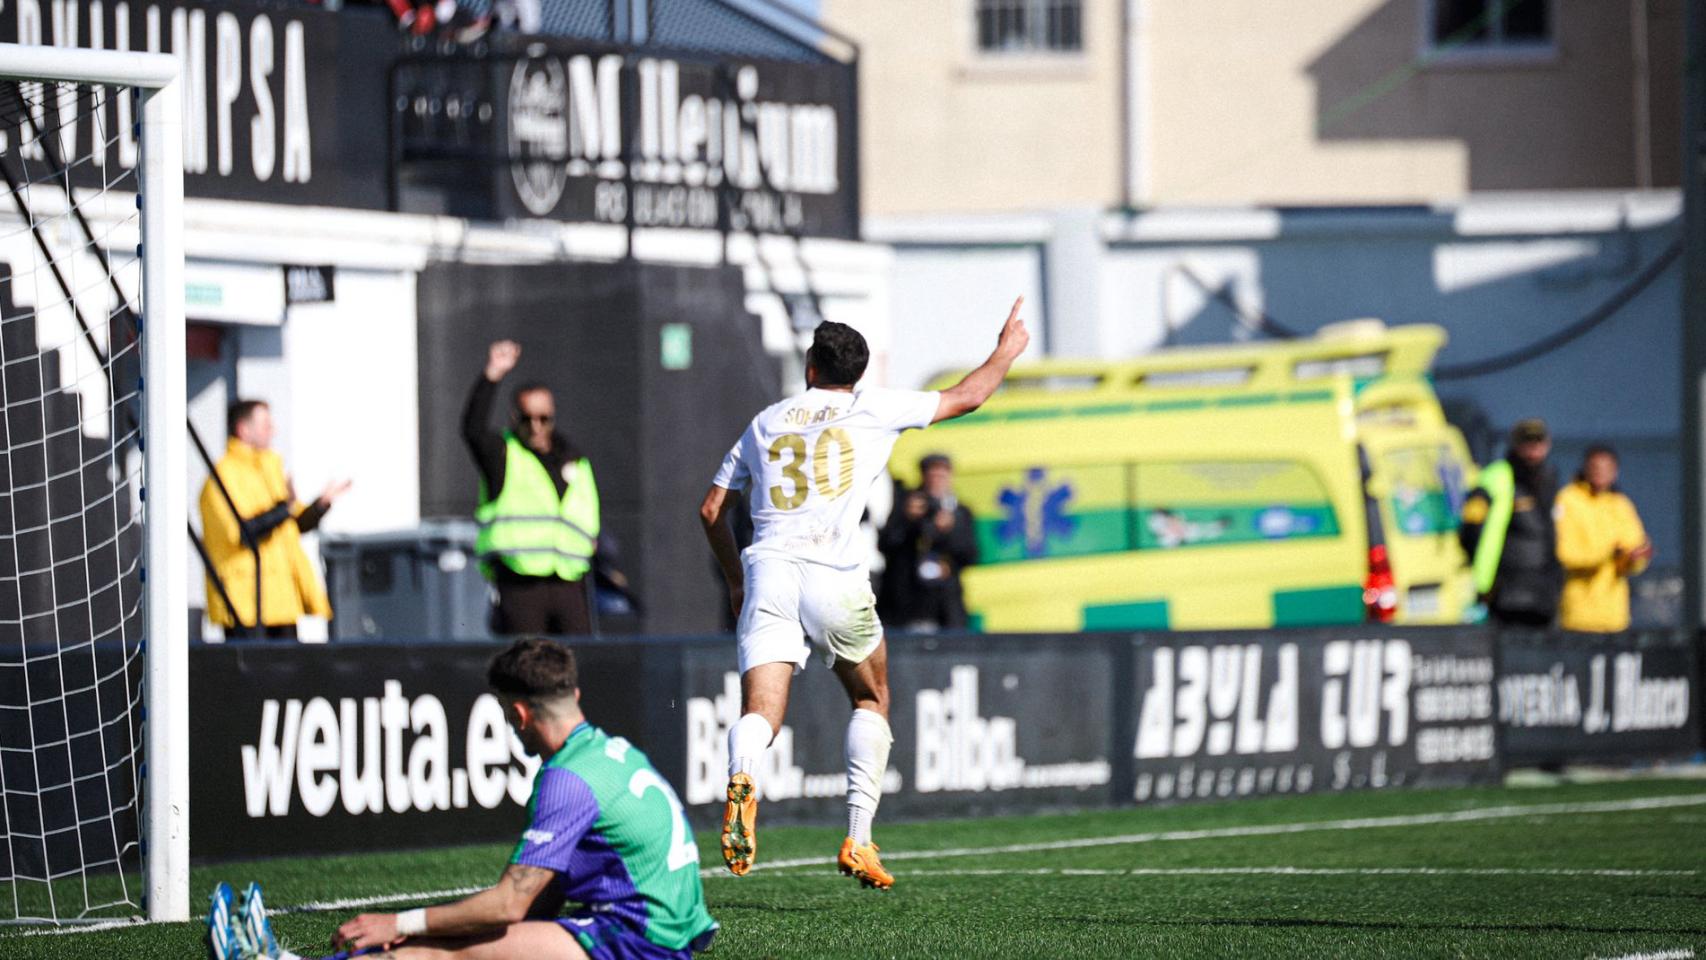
x=788 y=601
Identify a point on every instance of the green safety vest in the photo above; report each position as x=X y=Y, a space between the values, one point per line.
x=1499 y=481
x=531 y=530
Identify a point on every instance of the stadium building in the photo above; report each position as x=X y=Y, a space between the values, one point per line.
x=1150 y=174
x=656 y=199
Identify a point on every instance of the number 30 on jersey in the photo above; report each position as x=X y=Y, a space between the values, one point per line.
x=833 y=447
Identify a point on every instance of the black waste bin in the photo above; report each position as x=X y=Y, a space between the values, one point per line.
x=408 y=584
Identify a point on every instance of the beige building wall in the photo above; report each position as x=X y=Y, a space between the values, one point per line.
x=1257 y=102
x=944 y=129
x=1328 y=102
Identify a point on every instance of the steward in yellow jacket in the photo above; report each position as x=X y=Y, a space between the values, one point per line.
x=268 y=515
x=1601 y=544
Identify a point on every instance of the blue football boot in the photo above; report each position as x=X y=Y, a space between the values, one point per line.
x=223 y=941
x=254 y=927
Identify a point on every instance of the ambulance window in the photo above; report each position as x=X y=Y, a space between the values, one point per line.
x=1208 y=502
x=1424 y=487
x=1387 y=415
x=1052 y=381
x=1360 y=367
x=1217 y=377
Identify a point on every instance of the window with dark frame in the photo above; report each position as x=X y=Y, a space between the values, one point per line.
x=1475 y=25
x=1030 y=26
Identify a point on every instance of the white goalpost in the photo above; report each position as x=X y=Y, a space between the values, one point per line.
x=94 y=659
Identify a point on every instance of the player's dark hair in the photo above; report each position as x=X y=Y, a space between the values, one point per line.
x=239 y=412
x=533 y=669
x=839 y=353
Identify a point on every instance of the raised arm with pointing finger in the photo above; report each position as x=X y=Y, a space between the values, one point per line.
x=980 y=384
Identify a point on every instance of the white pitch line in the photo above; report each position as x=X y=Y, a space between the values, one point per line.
x=1288 y=872
x=1686 y=953
x=356 y=903
x=86 y=927
x=1271 y=829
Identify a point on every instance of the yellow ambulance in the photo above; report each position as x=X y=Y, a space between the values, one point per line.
x=1293 y=483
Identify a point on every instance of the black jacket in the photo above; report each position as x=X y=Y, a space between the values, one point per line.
x=908 y=546
x=1530 y=579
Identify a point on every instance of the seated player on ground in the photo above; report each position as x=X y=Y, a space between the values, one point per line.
x=607 y=834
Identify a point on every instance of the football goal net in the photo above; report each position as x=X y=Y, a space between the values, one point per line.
x=94 y=780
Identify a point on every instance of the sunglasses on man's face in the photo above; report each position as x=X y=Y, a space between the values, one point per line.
x=534 y=417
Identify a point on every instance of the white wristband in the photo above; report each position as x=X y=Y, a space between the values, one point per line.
x=411 y=923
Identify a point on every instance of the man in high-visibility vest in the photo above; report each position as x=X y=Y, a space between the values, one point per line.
x=538 y=511
x=1507 y=529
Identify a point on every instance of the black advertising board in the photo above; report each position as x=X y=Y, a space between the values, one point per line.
x=353 y=746
x=304 y=284
x=284 y=103
x=1232 y=715
x=585 y=132
x=981 y=725
x=300 y=749
x=291 y=103
x=1567 y=698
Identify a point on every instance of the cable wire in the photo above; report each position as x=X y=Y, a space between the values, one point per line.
x=1262 y=322
x=1593 y=318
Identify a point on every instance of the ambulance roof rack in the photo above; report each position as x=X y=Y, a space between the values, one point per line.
x=1360 y=349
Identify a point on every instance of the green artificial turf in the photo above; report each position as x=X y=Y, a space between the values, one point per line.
x=1222 y=879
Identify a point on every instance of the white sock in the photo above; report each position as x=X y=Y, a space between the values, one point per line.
x=868 y=741
x=748 y=739
x=859 y=823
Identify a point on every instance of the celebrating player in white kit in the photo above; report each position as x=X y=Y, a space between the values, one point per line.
x=807 y=465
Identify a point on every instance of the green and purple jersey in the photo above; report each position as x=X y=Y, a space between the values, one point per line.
x=613 y=831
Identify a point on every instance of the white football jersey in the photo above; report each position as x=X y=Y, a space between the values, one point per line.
x=807 y=465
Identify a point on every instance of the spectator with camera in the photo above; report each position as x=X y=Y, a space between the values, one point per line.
x=928 y=539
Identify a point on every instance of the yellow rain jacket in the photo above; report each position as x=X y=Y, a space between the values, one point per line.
x=1592 y=527
x=290 y=587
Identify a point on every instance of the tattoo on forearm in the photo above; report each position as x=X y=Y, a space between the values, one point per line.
x=527 y=881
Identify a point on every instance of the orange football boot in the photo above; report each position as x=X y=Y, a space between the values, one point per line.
x=862 y=862
x=740 y=820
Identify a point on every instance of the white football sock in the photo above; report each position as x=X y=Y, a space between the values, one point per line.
x=748 y=739
x=868 y=741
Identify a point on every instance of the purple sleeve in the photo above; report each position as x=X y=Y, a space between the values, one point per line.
x=563 y=810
